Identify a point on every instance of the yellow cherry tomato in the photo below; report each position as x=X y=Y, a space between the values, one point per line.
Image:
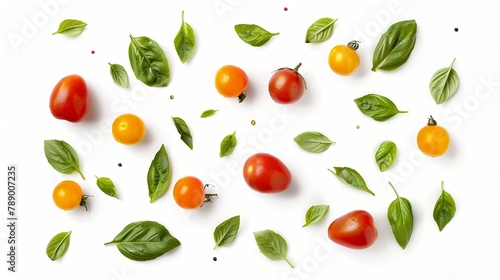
x=343 y=59
x=128 y=129
x=433 y=140
x=68 y=195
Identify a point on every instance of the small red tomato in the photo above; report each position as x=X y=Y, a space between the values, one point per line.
x=265 y=173
x=354 y=230
x=70 y=99
x=287 y=85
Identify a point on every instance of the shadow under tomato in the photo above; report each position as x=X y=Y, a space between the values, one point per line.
x=93 y=115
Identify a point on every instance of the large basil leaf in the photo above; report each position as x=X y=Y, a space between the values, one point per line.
x=148 y=61
x=253 y=35
x=312 y=141
x=185 y=41
x=400 y=218
x=184 y=131
x=395 y=46
x=378 y=107
x=159 y=174
x=272 y=245
x=444 y=209
x=225 y=233
x=119 y=74
x=62 y=157
x=58 y=245
x=70 y=27
x=144 y=240
x=351 y=177
x=386 y=155
x=444 y=84
x=227 y=145
x=320 y=31
x=315 y=214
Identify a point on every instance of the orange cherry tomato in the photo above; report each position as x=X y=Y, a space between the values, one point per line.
x=128 y=129
x=68 y=195
x=231 y=81
x=189 y=193
x=343 y=59
x=433 y=140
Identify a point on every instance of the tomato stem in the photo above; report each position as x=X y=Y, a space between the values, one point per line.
x=208 y=197
x=241 y=97
x=431 y=121
x=296 y=69
x=83 y=202
x=353 y=44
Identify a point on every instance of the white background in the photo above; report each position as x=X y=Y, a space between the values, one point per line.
x=33 y=61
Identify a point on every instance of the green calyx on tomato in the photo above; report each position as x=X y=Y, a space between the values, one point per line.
x=287 y=85
x=266 y=173
x=70 y=99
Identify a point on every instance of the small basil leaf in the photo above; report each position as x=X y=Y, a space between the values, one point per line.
x=158 y=174
x=395 y=46
x=184 y=41
x=400 y=218
x=148 y=61
x=184 y=131
x=444 y=84
x=315 y=214
x=272 y=245
x=107 y=186
x=351 y=177
x=444 y=209
x=119 y=75
x=58 y=245
x=70 y=27
x=312 y=141
x=225 y=233
x=62 y=157
x=227 y=145
x=253 y=35
x=320 y=31
x=386 y=155
x=208 y=113
x=378 y=107
x=144 y=240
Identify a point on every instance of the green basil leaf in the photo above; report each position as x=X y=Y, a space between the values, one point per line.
x=107 y=186
x=400 y=218
x=315 y=214
x=386 y=155
x=62 y=157
x=119 y=75
x=58 y=245
x=395 y=46
x=185 y=41
x=378 y=107
x=312 y=141
x=227 y=145
x=70 y=27
x=253 y=35
x=445 y=209
x=144 y=241
x=208 y=113
x=272 y=245
x=148 y=61
x=159 y=174
x=225 y=233
x=184 y=131
x=351 y=177
x=320 y=31
x=444 y=84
